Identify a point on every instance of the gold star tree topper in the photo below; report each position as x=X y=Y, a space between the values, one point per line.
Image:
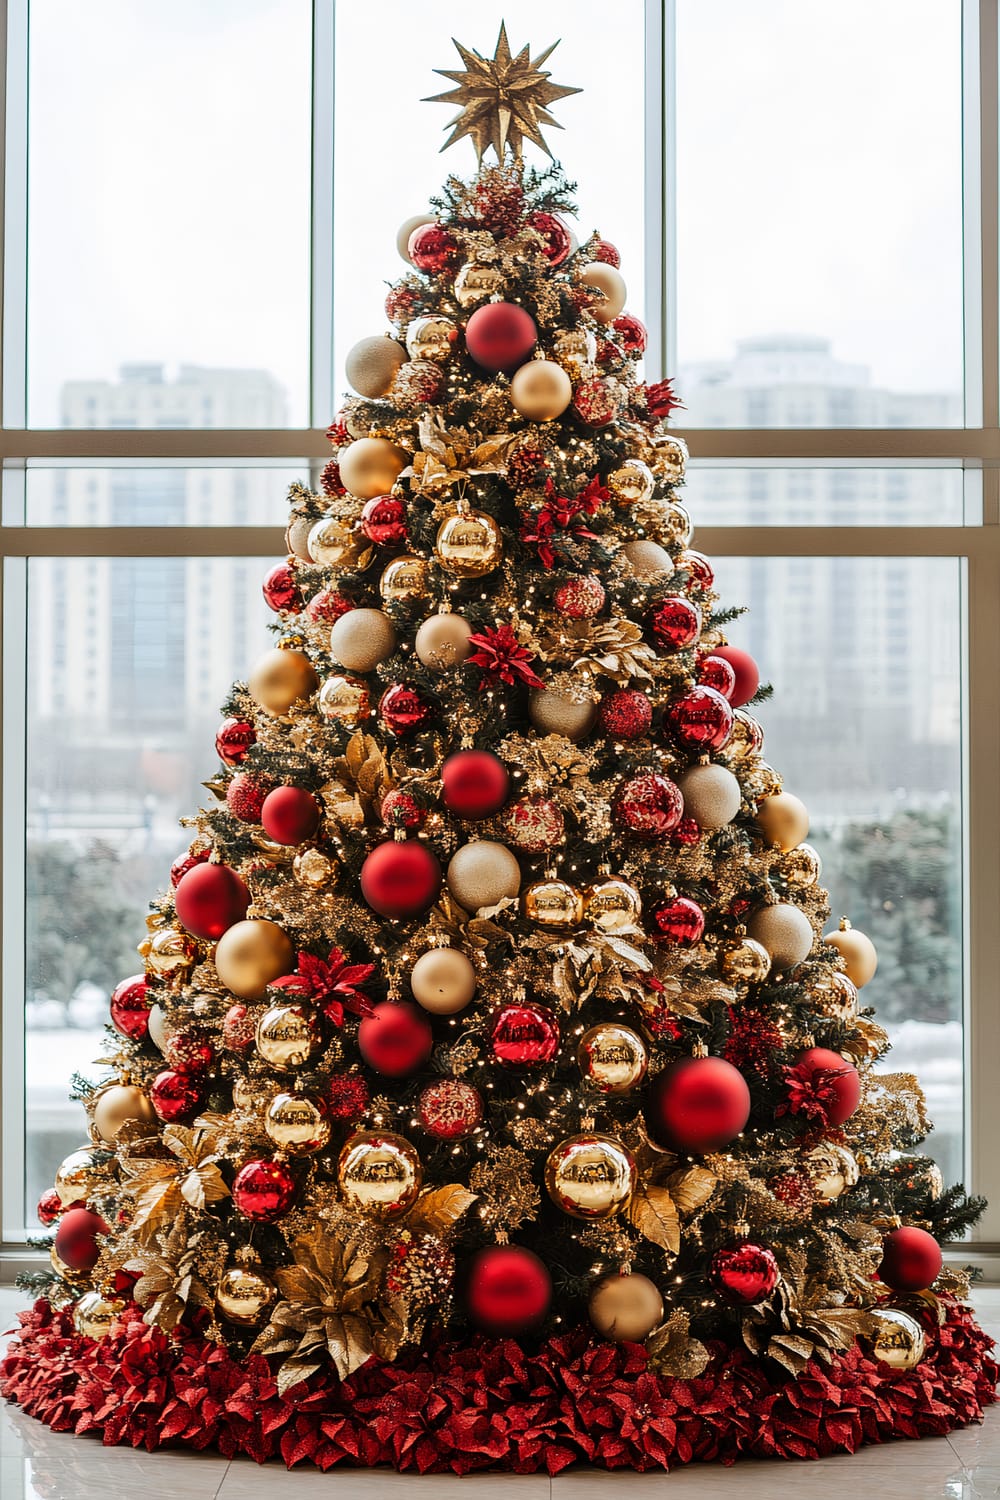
x=504 y=99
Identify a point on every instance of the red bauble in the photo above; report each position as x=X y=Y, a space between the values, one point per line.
x=596 y=400
x=747 y=675
x=679 y=922
x=402 y=810
x=580 y=598
x=449 y=1109
x=524 y=1035
x=474 y=784
x=329 y=480
x=328 y=606
x=50 y=1206
x=697 y=567
x=175 y=1095
x=76 y=1238
x=402 y=709
x=911 y=1259
x=347 y=1097
x=604 y=250
x=185 y=862
x=281 y=592
x=675 y=623
x=843 y=1080
x=189 y=1052
x=649 y=806
x=399 y=303
x=383 y=521
x=245 y=796
x=744 y=1274
x=233 y=740
x=701 y=720
x=500 y=336
x=210 y=899
x=238 y=1028
x=263 y=1190
x=508 y=1291
x=632 y=335
x=534 y=825
x=400 y=880
x=131 y=1003
x=625 y=714
x=716 y=672
x=558 y=242
x=396 y=1039
x=431 y=249
x=290 y=815
x=686 y=834
x=697 y=1104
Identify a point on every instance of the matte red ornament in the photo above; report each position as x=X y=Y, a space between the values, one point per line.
x=189 y=1052
x=534 y=825
x=474 y=784
x=500 y=336
x=233 y=739
x=245 y=796
x=716 y=672
x=281 y=592
x=697 y=1104
x=625 y=714
x=675 y=623
x=580 y=598
x=747 y=673
x=263 y=1191
x=431 y=249
x=209 y=900
x=596 y=400
x=648 y=806
x=697 y=567
x=175 y=1095
x=557 y=240
x=239 y=1026
x=402 y=709
x=290 y=815
x=508 y=1291
x=911 y=1259
x=842 y=1077
x=400 y=880
x=396 y=1039
x=185 y=862
x=450 y=1108
x=679 y=922
x=131 y=1003
x=402 y=810
x=744 y=1274
x=524 y=1035
x=701 y=720
x=604 y=250
x=50 y=1206
x=632 y=335
x=76 y=1238
x=328 y=606
x=686 y=834
x=383 y=521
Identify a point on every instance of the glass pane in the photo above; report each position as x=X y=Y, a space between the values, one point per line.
x=607 y=163
x=865 y=726
x=128 y=660
x=831 y=495
x=819 y=182
x=168 y=169
x=159 y=495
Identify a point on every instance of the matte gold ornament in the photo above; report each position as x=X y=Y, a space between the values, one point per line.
x=801 y=866
x=361 y=639
x=832 y=1171
x=553 y=903
x=590 y=1176
x=405 y=231
x=625 y=1308
x=331 y=542
x=431 y=338
x=169 y=952
x=95 y=1315
x=676 y=526
x=632 y=483
x=554 y=713
x=785 y=931
x=896 y=1338
x=747 y=738
x=477 y=283
x=296 y=1124
x=314 y=869
x=443 y=981
x=612 y=1057
x=344 y=700
x=468 y=544
x=372 y=365
x=250 y=954
x=541 y=390
x=380 y=1174
x=575 y=350
x=647 y=559
x=281 y=678
x=76 y=1175
x=670 y=456
x=857 y=951
x=244 y=1293
x=784 y=820
x=483 y=873
x=835 y=996
x=371 y=466
x=442 y=642
x=158 y=1031
x=744 y=961
x=598 y=276
x=297 y=537
x=611 y=903
x=120 y=1104
x=404 y=578
x=712 y=796
x=286 y=1037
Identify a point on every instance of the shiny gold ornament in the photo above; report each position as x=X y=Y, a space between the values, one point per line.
x=477 y=283
x=553 y=903
x=361 y=639
x=590 y=1176
x=443 y=981
x=611 y=903
x=632 y=483
x=169 y=951
x=443 y=642
x=281 y=678
x=575 y=350
x=598 y=276
x=676 y=526
x=372 y=366
x=857 y=951
x=832 y=1171
x=406 y=229
x=468 y=543
x=296 y=1124
x=647 y=559
x=286 y=1037
x=245 y=1095
x=344 y=700
x=483 y=873
x=768 y=780
x=431 y=338
x=801 y=866
x=94 y=1316
x=380 y=1174
x=612 y=1057
x=785 y=931
x=250 y=954
x=541 y=390
x=371 y=466
x=404 y=578
x=896 y=1338
x=835 y=996
x=76 y=1175
x=331 y=542
x=670 y=456
x=747 y=738
x=784 y=820
x=244 y=1293
x=314 y=869
x=744 y=962
x=117 y=1105
x=625 y=1308
x=554 y=713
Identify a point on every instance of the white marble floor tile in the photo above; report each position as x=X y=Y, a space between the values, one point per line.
x=249 y=1481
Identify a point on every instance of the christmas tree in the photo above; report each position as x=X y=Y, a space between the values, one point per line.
x=492 y=1096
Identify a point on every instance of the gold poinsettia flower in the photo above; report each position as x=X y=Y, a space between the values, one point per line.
x=159 y=1187
x=171 y=1277
x=612 y=648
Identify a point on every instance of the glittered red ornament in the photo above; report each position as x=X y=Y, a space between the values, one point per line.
x=50 y=1206
x=401 y=809
x=508 y=1291
x=604 y=250
x=686 y=834
x=185 y=862
x=649 y=806
x=743 y=1274
x=432 y=249
x=474 y=784
x=76 y=1238
x=400 y=302
x=403 y=710
x=837 y=1074
x=400 y=880
x=233 y=739
x=747 y=673
x=263 y=1191
x=383 y=521
x=281 y=592
x=557 y=240
x=679 y=922
x=625 y=714
x=526 y=468
x=419 y=381
x=328 y=606
x=210 y=899
x=716 y=672
x=131 y=1003
x=580 y=598
x=534 y=825
x=596 y=400
x=189 y=1052
x=794 y=1190
x=524 y=1035
x=697 y=567
x=175 y=1095
x=245 y=796
x=449 y=1109
x=701 y=720
x=697 y=1104
x=500 y=336
x=675 y=623
x=239 y=1026
x=396 y=1039
x=347 y=1096
x=330 y=481
x=290 y=815
x=632 y=335
x=911 y=1259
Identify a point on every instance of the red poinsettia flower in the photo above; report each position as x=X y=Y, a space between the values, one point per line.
x=562 y=513
x=501 y=655
x=661 y=399
x=811 y=1092
x=333 y=984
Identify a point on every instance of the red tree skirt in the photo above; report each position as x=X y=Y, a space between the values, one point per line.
x=488 y=1404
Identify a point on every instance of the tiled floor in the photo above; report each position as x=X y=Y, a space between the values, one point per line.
x=35 y=1462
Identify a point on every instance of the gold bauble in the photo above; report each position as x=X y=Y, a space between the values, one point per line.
x=442 y=642
x=118 y=1105
x=75 y=1176
x=286 y=1036
x=896 y=1338
x=632 y=483
x=612 y=1057
x=169 y=951
x=575 y=350
x=94 y=1316
x=313 y=868
x=611 y=903
x=344 y=700
x=647 y=559
x=372 y=365
x=712 y=796
x=361 y=639
x=406 y=229
x=244 y=1293
x=670 y=456
x=379 y=1174
x=483 y=873
x=553 y=713
x=744 y=961
x=404 y=578
x=625 y=1308
x=801 y=866
x=590 y=1176
x=553 y=903
x=835 y=996
x=331 y=542
x=747 y=738
x=443 y=981
x=245 y=1094
x=784 y=820
x=296 y=1124
x=832 y=1170
x=768 y=781
x=468 y=544
x=250 y=954
x=281 y=678
x=676 y=526
x=158 y=1027
x=371 y=466
x=856 y=950
x=297 y=537
x=431 y=338
x=476 y=283
x=600 y=277
x=541 y=390
x=785 y=931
